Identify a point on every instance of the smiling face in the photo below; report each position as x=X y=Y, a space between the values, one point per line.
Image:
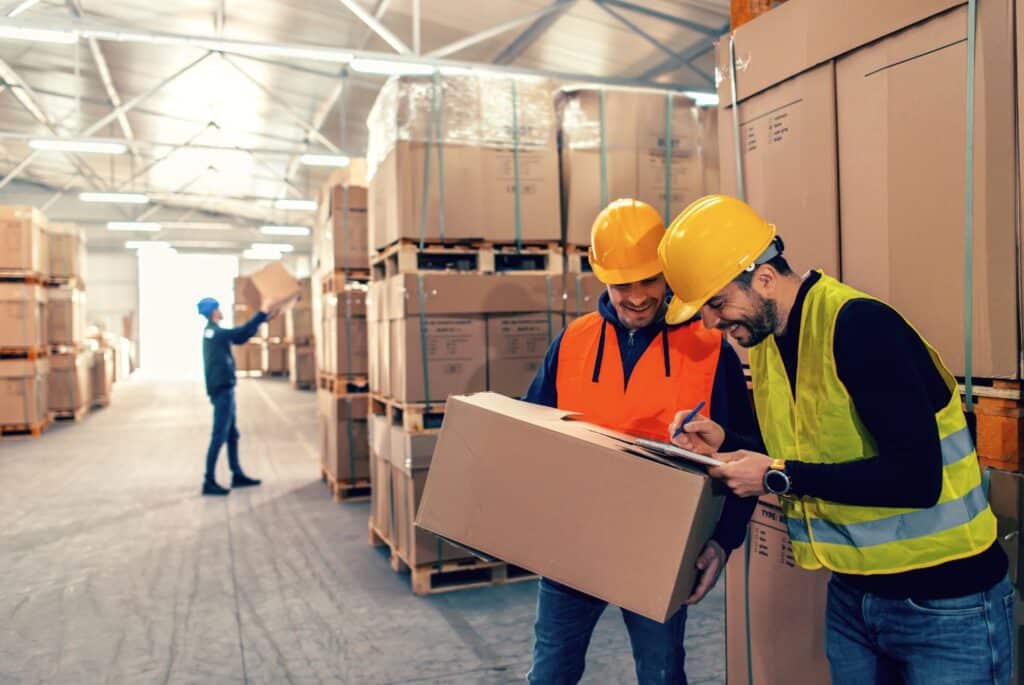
x=638 y=304
x=742 y=312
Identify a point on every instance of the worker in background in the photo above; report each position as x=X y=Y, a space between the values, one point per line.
x=625 y=368
x=219 y=370
x=863 y=438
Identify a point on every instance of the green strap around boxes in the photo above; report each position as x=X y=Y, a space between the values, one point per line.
x=515 y=166
x=604 y=149
x=579 y=295
x=746 y=608
x=348 y=369
x=668 y=158
x=550 y=327
x=344 y=219
x=740 y=190
x=972 y=16
x=351 y=439
x=434 y=139
x=424 y=353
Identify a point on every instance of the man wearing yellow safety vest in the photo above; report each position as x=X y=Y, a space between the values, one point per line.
x=623 y=367
x=863 y=437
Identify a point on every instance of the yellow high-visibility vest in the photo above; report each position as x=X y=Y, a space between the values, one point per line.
x=821 y=425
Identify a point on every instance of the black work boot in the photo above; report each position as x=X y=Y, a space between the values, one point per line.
x=210 y=487
x=240 y=480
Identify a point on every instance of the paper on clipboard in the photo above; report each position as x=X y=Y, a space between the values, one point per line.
x=671 y=450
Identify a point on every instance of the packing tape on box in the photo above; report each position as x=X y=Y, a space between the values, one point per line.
x=423 y=341
x=667 y=216
x=604 y=149
x=547 y=282
x=351 y=439
x=972 y=17
x=434 y=139
x=740 y=190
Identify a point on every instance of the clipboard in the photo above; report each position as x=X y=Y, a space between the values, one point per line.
x=675 y=452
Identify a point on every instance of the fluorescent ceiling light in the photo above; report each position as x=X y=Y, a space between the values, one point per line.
x=21 y=8
x=383 y=67
x=266 y=255
x=38 y=35
x=147 y=244
x=200 y=225
x=148 y=226
x=116 y=198
x=78 y=146
x=305 y=205
x=284 y=230
x=279 y=247
x=702 y=99
x=325 y=160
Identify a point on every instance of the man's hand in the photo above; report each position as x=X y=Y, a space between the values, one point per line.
x=710 y=564
x=271 y=306
x=743 y=472
x=701 y=434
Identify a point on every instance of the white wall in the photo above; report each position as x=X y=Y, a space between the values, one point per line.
x=112 y=289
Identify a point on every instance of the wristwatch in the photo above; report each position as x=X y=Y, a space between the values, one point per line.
x=776 y=480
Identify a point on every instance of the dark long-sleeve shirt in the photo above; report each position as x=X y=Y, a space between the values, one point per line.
x=897 y=391
x=730 y=403
x=218 y=362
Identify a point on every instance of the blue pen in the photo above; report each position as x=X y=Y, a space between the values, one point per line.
x=689 y=417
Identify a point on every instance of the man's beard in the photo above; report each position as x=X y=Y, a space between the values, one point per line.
x=761 y=324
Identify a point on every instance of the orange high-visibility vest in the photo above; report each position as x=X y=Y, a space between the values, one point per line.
x=676 y=371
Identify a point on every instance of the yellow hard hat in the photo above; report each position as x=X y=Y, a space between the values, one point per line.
x=624 y=242
x=709 y=244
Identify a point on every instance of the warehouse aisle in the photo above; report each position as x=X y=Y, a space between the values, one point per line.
x=114 y=569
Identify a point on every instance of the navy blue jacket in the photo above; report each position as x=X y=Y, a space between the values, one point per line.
x=218 y=362
x=730 y=403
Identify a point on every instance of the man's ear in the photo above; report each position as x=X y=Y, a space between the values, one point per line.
x=766 y=278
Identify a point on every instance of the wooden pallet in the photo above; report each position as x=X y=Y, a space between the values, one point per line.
x=413 y=417
x=249 y=373
x=999 y=414
x=335 y=281
x=101 y=403
x=342 y=385
x=465 y=574
x=30 y=353
x=21 y=276
x=29 y=430
x=74 y=416
x=345 y=490
x=468 y=257
x=64 y=282
x=73 y=348
x=304 y=385
x=577 y=260
x=275 y=374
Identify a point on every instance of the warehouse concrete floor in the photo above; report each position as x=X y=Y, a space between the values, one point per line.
x=114 y=569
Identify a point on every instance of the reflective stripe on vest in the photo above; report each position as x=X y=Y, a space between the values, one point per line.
x=676 y=371
x=820 y=425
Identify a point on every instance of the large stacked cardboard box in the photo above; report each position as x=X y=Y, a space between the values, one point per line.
x=22 y=316
x=343 y=332
x=71 y=383
x=490 y=172
x=299 y=336
x=65 y=247
x=340 y=234
x=65 y=316
x=273 y=358
x=344 y=442
x=631 y=143
x=1006 y=497
x=22 y=241
x=102 y=382
x=853 y=138
x=24 y=384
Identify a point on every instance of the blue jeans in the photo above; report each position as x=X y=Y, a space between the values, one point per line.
x=959 y=641
x=565 y=622
x=224 y=430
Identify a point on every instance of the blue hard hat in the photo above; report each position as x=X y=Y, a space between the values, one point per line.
x=207 y=305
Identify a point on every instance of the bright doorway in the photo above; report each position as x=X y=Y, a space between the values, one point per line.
x=170 y=330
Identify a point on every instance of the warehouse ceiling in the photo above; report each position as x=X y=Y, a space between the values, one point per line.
x=216 y=100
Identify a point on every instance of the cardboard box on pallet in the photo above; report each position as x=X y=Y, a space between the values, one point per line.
x=516 y=346
x=893 y=73
x=491 y=449
x=102 y=382
x=65 y=316
x=65 y=247
x=22 y=243
x=248 y=357
x=344 y=441
x=246 y=295
x=342 y=239
x=24 y=388
x=298 y=327
x=344 y=332
x=380 y=473
x=274 y=357
x=453 y=309
x=378 y=338
x=301 y=365
x=624 y=132
x=786 y=608
x=22 y=315
x=70 y=381
x=498 y=142
x=581 y=294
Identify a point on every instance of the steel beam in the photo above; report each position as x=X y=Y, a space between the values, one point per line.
x=531 y=33
x=690 y=54
x=17 y=7
x=416 y=26
x=377 y=27
x=493 y=32
x=671 y=18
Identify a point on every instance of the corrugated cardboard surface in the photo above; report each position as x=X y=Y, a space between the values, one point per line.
x=479 y=195
x=246 y=295
x=102 y=382
x=602 y=519
x=22 y=315
x=786 y=605
x=274 y=357
x=901 y=169
x=275 y=283
x=411 y=451
x=344 y=442
x=65 y=246
x=451 y=357
x=248 y=357
x=70 y=381
x=65 y=316
x=22 y=244
x=381 y=496
x=24 y=389
x=344 y=337
x=516 y=345
x=417 y=546
x=298 y=325
x=301 y=364
x=581 y=294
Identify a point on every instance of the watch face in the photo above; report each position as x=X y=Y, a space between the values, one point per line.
x=776 y=482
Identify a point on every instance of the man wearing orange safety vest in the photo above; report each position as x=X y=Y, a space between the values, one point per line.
x=625 y=368
x=863 y=438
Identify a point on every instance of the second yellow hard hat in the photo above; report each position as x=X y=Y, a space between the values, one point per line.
x=624 y=242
